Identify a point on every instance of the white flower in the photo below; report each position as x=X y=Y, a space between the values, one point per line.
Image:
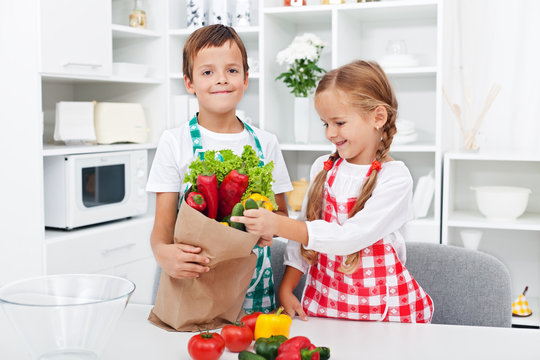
x=301 y=58
x=306 y=46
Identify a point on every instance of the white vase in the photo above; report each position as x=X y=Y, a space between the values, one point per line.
x=301 y=119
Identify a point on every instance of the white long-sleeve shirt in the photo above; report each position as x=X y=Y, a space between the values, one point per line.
x=384 y=215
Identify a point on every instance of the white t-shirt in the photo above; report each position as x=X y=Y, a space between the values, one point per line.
x=385 y=213
x=175 y=152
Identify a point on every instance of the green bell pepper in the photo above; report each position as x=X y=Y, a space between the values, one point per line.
x=268 y=347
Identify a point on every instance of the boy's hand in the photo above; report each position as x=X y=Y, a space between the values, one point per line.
x=260 y=222
x=292 y=305
x=265 y=242
x=181 y=261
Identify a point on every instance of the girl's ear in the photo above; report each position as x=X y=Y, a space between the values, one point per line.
x=189 y=85
x=380 y=116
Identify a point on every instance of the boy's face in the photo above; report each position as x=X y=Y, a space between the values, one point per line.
x=218 y=78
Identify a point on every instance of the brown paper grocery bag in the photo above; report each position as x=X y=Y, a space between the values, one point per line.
x=216 y=297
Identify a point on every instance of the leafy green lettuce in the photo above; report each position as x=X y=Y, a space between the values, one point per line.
x=260 y=177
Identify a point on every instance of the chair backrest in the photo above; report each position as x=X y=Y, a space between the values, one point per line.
x=467 y=287
x=278 y=269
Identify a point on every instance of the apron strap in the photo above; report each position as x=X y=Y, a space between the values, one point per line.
x=334 y=172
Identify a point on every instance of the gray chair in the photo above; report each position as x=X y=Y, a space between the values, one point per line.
x=277 y=250
x=467 y=287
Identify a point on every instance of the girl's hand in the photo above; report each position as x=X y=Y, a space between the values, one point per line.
x=292 y=305
x=259 y=222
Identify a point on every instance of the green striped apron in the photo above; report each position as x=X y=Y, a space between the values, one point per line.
x=260 y=294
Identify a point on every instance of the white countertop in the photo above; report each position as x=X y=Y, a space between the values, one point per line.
x=136 y=338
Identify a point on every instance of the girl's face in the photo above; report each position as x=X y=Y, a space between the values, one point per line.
x=218 y=80
x=355 y=135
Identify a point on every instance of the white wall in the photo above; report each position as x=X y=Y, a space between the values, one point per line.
x=21 y=223
x=495 y=41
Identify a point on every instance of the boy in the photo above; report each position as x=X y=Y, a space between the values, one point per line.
x=216 y=71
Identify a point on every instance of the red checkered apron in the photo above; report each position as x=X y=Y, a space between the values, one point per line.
x=381 y=288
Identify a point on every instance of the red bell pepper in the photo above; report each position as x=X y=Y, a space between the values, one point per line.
x=231 y=190
x=301 y=348
x=196 y=200
x=294 y=344
x=207 y=186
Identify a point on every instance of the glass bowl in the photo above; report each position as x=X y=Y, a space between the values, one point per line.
x=66 y=316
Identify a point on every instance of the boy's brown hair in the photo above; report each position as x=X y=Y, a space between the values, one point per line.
x=210 y=36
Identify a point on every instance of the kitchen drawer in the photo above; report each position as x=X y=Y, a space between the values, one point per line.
x=99 y=247
x=143 y=274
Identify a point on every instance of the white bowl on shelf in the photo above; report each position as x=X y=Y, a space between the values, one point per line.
x=125 y=69
x=502 y=203
x=471 y=238
x=66 y=316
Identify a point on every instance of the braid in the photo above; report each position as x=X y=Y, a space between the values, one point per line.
x=314 y=205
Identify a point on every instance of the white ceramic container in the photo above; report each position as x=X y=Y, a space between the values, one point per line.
x=502 y=203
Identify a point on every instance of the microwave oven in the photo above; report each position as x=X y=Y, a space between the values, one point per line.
x=86 y=189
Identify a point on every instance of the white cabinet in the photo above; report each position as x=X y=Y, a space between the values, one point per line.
x=76 y=37
x=362 y=31
x=119 y=248
x=143 y=274
x=516 y=243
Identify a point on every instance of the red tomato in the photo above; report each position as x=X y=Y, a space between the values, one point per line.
x=237 y=336
x=206 y=346
x=251 y=319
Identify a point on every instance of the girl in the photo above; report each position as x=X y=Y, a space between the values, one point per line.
x=352 y=243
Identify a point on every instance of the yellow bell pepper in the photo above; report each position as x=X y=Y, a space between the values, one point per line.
x=224 y=223
x=273 y=324
x=261 y=200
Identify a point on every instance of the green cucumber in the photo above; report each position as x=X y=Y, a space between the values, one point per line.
x=251 y=204
x=238 y=210
x=227 y=219
x=248 y=355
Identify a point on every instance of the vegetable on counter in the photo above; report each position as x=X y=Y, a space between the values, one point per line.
x=208 y=186
x=248 y=355
x=273 y=324
x=316 y=353
x=231 y=190
x=267 y=347
x=206 y=346
x=197 y=201
x=301 y=348
x=237 y=336
x=251 y=319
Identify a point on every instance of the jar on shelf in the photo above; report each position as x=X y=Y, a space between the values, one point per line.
x=296 y=196
x=294 y=2
x=137 y=16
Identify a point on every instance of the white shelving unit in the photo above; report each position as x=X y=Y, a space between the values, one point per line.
x=119 y=247
x=354 y=31
x=515 y=243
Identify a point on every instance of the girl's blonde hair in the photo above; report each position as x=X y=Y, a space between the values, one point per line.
x=366 y=86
